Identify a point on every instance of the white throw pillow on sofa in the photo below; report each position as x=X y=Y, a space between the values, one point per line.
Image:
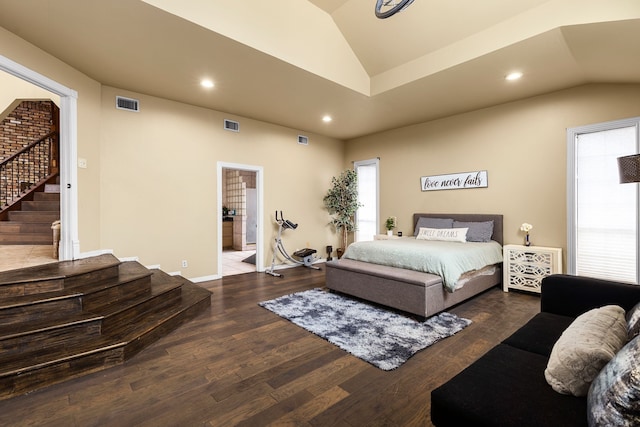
x=584 y=348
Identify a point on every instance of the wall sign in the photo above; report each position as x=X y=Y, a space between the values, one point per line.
x=455 y=181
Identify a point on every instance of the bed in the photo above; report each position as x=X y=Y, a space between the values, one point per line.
x=422 y=293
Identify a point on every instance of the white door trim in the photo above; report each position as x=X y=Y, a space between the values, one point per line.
x=69 y=243
x=259 y=170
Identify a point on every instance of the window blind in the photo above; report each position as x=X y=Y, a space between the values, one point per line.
x=606 y=214
x=367 y=214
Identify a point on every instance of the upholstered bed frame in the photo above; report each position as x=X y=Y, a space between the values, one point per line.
x=411 y=291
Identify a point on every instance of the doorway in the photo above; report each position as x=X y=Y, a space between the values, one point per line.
x=240 y=208
x=69 y=243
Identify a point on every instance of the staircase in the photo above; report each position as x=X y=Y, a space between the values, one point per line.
x=62 y=320
x=31 y=225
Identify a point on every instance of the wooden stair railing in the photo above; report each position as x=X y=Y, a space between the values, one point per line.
x=27 y=169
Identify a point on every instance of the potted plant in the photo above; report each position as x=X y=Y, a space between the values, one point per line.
x=342 y=203
x=390 y=224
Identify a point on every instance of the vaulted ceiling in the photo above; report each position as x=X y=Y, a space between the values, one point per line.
x=291 y=62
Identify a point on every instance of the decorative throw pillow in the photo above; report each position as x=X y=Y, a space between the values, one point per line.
x=478 y=231
x=633 y=321
x=584 y=348
x=444 y=234
x=614 y=396
x=424 y=222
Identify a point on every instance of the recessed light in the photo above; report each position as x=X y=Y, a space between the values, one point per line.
x=327 y=119
x=513 y=76
x=207 y=83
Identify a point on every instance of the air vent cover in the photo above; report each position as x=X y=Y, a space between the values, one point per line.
x=303 y=140
x=231 y=125
x=128 y=104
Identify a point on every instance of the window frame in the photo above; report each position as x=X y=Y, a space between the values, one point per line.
x=572 y=211
x=370 y=162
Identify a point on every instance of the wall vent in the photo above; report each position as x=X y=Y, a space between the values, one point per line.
x=303 y=140
x=231 y=125
x=128 y=104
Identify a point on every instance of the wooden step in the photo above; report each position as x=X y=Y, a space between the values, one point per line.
x=25 y=239
x=41 y=196
x=132 y=281
x=41 y=205
x=52 y=188
x=66 y=319
x=120 y=317
x=34 y=216
x=194 y=300
x=47 y=334
x=37 y=369
x=49 y=305
x=54 y=276
x=26 y=227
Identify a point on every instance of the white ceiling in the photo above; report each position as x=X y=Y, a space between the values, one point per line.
x=292 y=61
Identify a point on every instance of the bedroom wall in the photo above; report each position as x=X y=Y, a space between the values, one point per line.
x=149 y=187
x=521 y=144
x=14 y=88
x=158 y=181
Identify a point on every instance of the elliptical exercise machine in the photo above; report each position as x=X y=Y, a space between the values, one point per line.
x=306 y=254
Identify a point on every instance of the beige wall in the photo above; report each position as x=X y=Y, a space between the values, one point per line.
x=159 y=181
x=14 y=89
x=522 y=145
x=149 y=189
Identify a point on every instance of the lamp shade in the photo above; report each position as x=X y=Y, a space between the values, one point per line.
x=629 y=168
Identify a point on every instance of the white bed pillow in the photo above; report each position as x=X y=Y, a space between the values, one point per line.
x=443 y=234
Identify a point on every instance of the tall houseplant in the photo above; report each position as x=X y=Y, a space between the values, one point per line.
x=342 y=203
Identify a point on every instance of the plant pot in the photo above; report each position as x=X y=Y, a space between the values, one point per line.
x=389 y=232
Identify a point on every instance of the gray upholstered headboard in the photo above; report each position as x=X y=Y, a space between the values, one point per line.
x=497 y=221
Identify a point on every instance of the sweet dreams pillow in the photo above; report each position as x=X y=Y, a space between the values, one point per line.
x=443 y=234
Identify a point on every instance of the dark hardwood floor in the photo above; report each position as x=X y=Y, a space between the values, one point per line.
x=239 y=364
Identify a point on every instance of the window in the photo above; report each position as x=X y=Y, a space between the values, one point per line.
x=603 y=214
x=367 y=215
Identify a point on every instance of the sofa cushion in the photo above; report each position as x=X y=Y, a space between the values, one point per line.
x=633 y=321
x=614 y=396
x=505 y=387
x=540 y=333
x=584 y=348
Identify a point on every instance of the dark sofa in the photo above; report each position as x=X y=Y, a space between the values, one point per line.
x=507 y=386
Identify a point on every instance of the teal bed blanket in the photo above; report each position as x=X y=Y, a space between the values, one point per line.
x=449 y=260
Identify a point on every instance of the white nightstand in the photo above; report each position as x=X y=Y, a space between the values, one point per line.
x=525 y=266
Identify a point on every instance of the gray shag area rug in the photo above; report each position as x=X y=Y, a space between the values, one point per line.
x=383 y=338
